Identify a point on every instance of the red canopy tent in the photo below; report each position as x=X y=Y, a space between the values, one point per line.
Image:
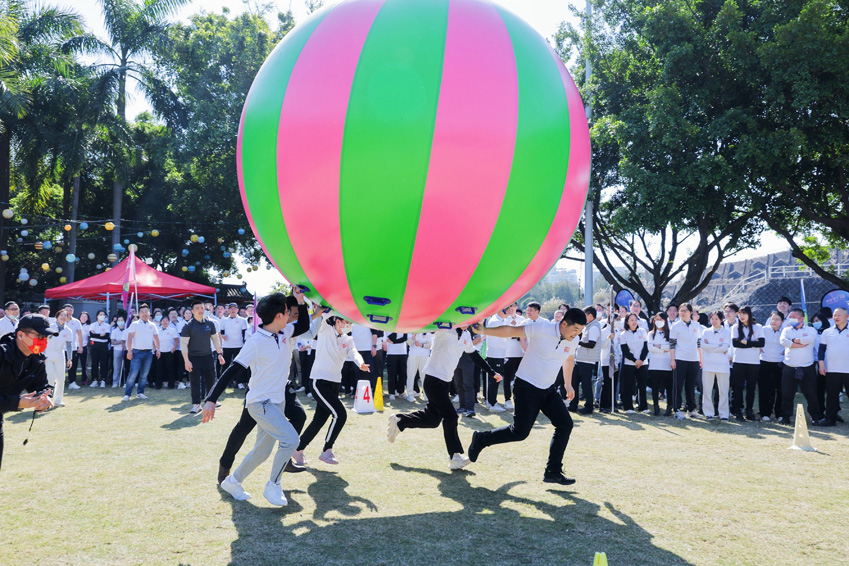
x=150 y=284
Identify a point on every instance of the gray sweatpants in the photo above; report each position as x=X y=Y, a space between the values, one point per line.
x=272 y=426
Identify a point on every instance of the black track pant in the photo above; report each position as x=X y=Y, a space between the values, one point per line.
x=684 y=376
x=835 y=383
x=439 y=409
x=744 y=377
x=99 y=361
x=491 y=392
x=510 y=367
x=294 y=411
x=582 y=383
x=805 y=379
x=634 y=382
x=464 y=382
x=327 y=405
x=307 y=360
x=202 y=376
x=529 y=401
x=396 y=367
x=606 y=398
x=769 y=389
x=661 y=381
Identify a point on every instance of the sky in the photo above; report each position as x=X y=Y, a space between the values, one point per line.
x=544 y=15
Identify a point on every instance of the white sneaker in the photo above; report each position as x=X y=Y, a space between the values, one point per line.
x=393 y=431
x=410 y=399
x=764 y=419
x=300 y=389
x=141 y=396
x=181 y=385
x=328 y=458
x=496 y=408
x=456 y=399
x=274 y=494
x=629 y=412
x=694 y=415
x=234 y=488
x=458 y=462
x=114 y=385
x=125 y=398
x=102 y=384
x=93 y=384
x=195 y=409
x=73 y=386
x=508 y=405
x=309 y=395
x=680 y=415
x=392 y=397
x=646 y=412
x=298 y=458
x=241 y=386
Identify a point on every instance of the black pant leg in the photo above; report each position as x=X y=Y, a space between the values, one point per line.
x=553 y=408
x=528 y=400
x=237 y=438
x=752 y=373
x=307 y=360
x=371 y=374
x=690 y=384
x=738 y=380
x=510 y=367
x=642 y=377
x=629 y=384
x=294 y=411
x=789 y=385
x=438 y=397
x=809 y=390
x=766 y=388
x=497 y=365
x=1 y=441
x=328 y=405
x=430 y=416
x=606 y=401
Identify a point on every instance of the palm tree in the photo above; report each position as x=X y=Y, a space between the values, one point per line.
x=135 y=31
x=33 y=48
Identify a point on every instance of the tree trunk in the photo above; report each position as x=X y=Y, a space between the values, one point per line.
x=5 y=193
x=72 y=246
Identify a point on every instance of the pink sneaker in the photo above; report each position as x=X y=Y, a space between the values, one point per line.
x=328 y=458
x=299 y=459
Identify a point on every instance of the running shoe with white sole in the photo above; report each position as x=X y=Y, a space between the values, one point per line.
x=328 y=458
x=393 y=431
x=508 y=404
x=141 y=396
x=274 y=494
x=496 y=408
x=458 y=462
x=234 y=488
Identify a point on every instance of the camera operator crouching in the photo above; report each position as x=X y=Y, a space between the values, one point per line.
x=22 y=369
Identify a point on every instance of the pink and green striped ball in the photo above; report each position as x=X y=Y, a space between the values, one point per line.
x=414 y=164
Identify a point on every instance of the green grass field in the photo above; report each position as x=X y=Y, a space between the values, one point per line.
x=112 y=483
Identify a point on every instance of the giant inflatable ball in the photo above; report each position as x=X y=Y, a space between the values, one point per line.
x=413 y=163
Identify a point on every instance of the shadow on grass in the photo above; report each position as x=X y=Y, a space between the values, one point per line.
x=492 y=526
x=184 y=421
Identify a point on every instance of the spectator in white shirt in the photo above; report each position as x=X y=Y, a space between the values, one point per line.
x=76 y=345
x=834 y=364
x=660 y=362
x=116 y=337
x=798 y=341
x=169 y=339
x=58 y=356
x=783 y=305
x=772 y=358
x=820 y=323
x=747 y=339
x=635 y=351
x=99 y=334
x=716 y=368
x=142 y=343
x=233 y=328
x=637 y=308
x=9 y=323
x=685 y=339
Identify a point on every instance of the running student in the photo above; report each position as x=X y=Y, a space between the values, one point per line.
x=448 y=347
x=334 y=345
x=293 y=411
x=551 y=346
x=268 y=355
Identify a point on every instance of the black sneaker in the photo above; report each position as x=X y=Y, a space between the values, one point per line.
x=585 y=411
x=750 y=416
x=783 y=421
x=656 y=411
x=293 y=468
x=740 y=417
x=475 y=447
x=667 y=413
x=557 y=478
x=839 y=419
x=222 y=473
x=826 y=422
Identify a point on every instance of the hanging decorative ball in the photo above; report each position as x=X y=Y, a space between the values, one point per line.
x=17 y=280
x=19 y=240
x=59 y=270
x=226 y=254
x=63 y=279
x=91 y=255
x=33 y=282
x=126 y=242
x=133 y=248
x=112 y=258
x=4 y=257
x=24 y=221
x=194 y=238
x=185 y=252
x=201 y=239
x=70 y=258
x=220 y=240
x=8 y=213
x=191 y=268
x=140 y=234
x=154 y=233
x=149 y=261
x=116 y=247
x=39 y=246
x=226 y=274
x=185 y=269
x=241 y=231
x=223 y=248
x=197 y=263
x=238 y=276
x=45 y=267
x=99 y=266
x=83 y=225
x=24 y=276
x=58 y=249
x=109 y=226
x=67 y=227
x=3 y=252
x=48 y=245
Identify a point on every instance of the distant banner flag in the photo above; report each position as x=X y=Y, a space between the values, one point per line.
x=129 y=278
x=835 y=299
x=624 y=298
x=804 y=300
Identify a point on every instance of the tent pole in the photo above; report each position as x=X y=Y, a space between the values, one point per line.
x=107 y=306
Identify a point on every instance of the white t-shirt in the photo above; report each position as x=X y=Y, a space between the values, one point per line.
x=86 y=330
x=715 y=344
x=57 y=345
x=635 y=340
x=547 y=352
x=143 y=333
x=397 y=349
x=362 y=337
x=446 y=353
x=7 y=326
x=331 y=352
x=660 y=356
x=773 y=351
x=269 y=358
x=74 y=325
x=836 y=349
x=513 y=347
x=687 y=335
x=232 y=328
x=423 y=338
x=798 y=357
x=747 y=355
x=118 y=334
x=167 y=337
x=496 y=347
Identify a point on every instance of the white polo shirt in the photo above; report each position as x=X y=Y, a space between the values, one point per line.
x=798 y=357
x=496 y=347
x=232 y=328
x=7 y=326
x=715 y=344
x=362 y=337
x=117 y=334
x=143 y=333
x=687 y=335
x=97 y=329
x=836 y=349
x=397 y=349
x=446 y=353
x=635 y=340
x=547 y=352
x=747 y=355
x=772 y=351
x=74 y=325
x=331 y=351
x=269 y=358
x=56 y=349
x=423 y=351
x=512 y=346
x=167 y=336
x=660 y=356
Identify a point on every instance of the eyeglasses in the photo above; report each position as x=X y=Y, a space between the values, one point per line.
x=34 y=334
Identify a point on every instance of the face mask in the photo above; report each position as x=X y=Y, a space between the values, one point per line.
x=817 y=325
x=157 y=318
x=797 y=322
x=101 y=317
x=11 y=317
x=207 y=312
x=121 y=324
x=38 y=345
x=660 y=323
x=346 y=328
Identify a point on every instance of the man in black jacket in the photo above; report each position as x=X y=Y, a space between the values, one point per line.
x=22 y=369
